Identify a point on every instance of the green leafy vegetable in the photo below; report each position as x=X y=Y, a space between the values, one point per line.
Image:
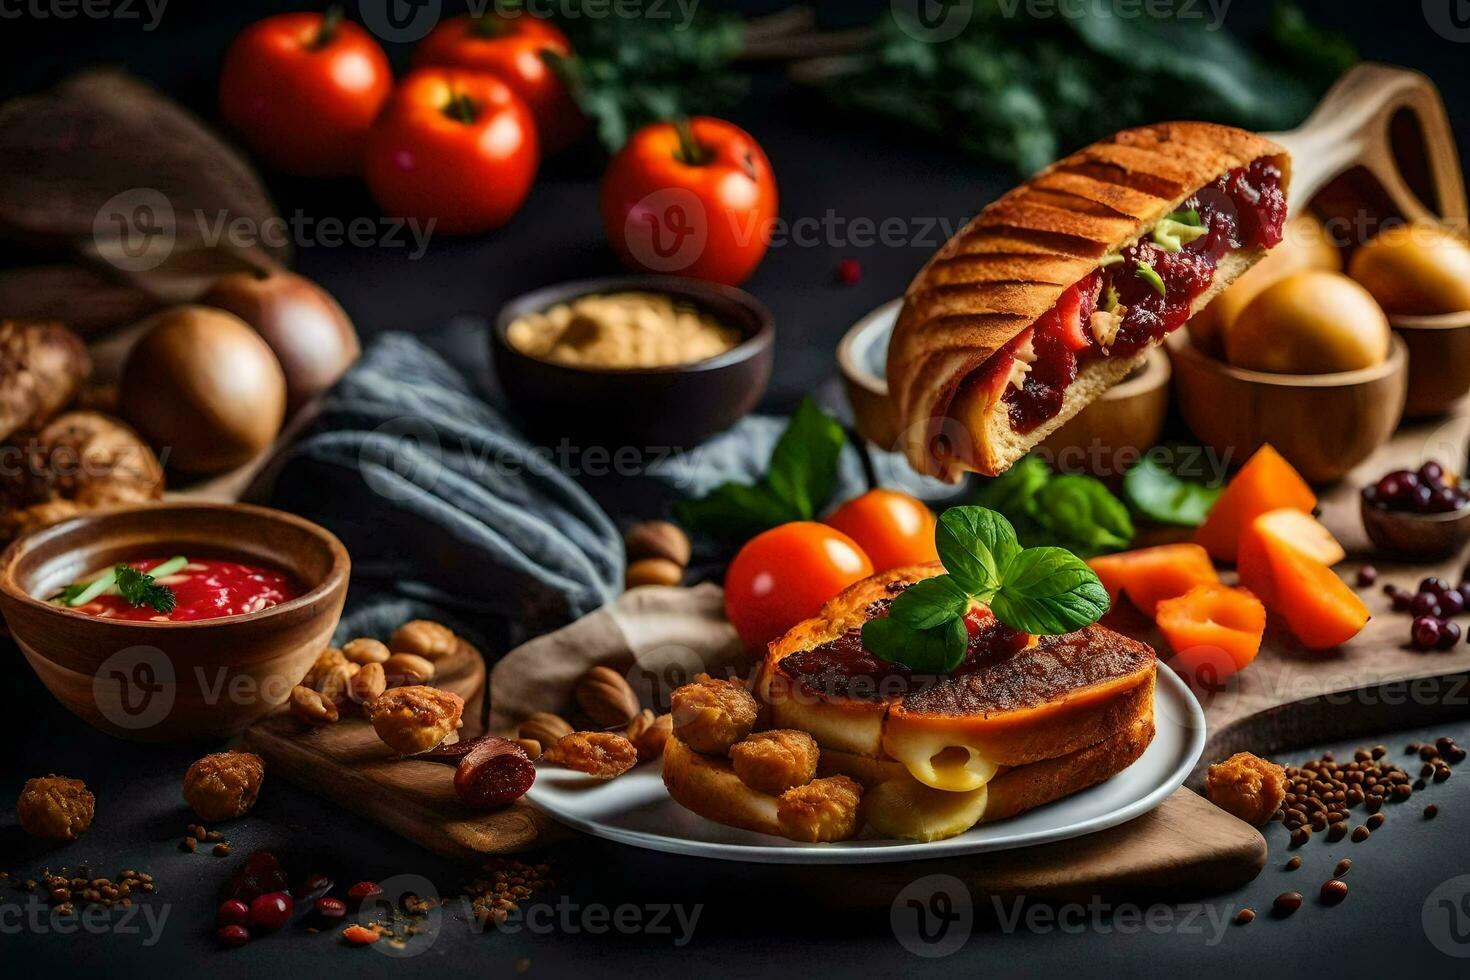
x=1033 y=590
x=1171 y=235
x=1070 y=511
x=1162 y=495
x=140 y=589
x=1146 y=272
x=798 y=484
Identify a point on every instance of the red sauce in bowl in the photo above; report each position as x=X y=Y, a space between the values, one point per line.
x=207 y=588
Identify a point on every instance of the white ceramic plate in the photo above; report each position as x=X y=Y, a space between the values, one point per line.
x=636 y=809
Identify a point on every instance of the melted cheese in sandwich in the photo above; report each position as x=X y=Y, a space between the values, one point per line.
x=936 y=760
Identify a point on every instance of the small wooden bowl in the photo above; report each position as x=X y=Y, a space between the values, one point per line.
x=1417 y=537
x=1324 y=424
x=1129 y=415
x=680 y=405
x=165 y=681
x=1439 y=361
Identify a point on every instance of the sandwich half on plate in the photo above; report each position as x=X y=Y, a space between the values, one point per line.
x=1056 y=291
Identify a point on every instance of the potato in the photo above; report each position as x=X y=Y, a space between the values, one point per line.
x=1311 y=322
x=1304 y=245
x=1418 y=269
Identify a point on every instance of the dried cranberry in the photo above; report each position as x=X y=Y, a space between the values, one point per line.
x=1425 y=604
x=1449 y=635
x=849 y=271
x=1432 y=473
x=1394 y=488
x=258 y=874
x=1425 y=632
x=232 y=912
x=363 y=891
x=1451 y=604
x=1434 y=584
x=1367 y=575
x=232 y=935
x=271 y=911
x=331 y=908
x=313 y=886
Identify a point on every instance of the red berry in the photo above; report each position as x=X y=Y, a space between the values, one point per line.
x=232 y=912
x=271 y=911
x=232 y=935
x=318 y=884
x=363 y=891
x=331 y=908
x=1367 y=575
x=1426 y=632
x=849 y=271
x=1449 y=635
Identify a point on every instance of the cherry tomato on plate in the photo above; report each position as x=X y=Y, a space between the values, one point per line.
x=783 y=576
x=695 y=198
x=893 y=528
x=510 y=48
x=303 y=89
x=455 y=147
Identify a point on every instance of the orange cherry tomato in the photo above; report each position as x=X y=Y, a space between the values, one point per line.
x=695 y=200
x=303 y=89
x=510 y=48
x=893 y=528
x=455 y=147
x=783 y=576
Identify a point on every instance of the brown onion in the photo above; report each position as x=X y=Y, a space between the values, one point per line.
x=204 y=389
x=311 y=335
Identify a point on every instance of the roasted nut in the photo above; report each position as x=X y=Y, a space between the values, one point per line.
x=639 y=724
x=328 y=659
x=600 y=754
x=407 y=668
x=368 y=684
x=822 y=810
x=545 y=727
x=1247 y=786
x=365 y=650
x=775 y=761
x=711 y=715
x=55 y=808
x=657 y=539
x=606 y=697
x=426 y=638
x=650 y=741
x=414 y=719
x=530 y=746
x=224 y=785
x=653 y=571
x=311 y=707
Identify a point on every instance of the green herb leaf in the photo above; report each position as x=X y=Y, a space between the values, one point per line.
x=926 y=651
x=975 y=544
x=803 y=470
x=930 y=603
x=1146 y=272
x=735 y=510
x=1013 y=492
x=1190 y=218
x=1050 y=591
x=1082 y=510
x=1163 y=496
x=140 y=589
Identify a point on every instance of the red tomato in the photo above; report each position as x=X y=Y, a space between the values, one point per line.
x=453 y=146
x=783 y=576
x=509 y=47
x=699 y=204
x=303 y=89
x=893 y=528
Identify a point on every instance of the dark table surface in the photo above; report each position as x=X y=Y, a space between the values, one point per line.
x=830 y=173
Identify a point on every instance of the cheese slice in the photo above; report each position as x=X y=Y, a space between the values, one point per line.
x=938 y=761
x=905 y=809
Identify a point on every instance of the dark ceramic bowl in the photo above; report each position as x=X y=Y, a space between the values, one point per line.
x=676 y=406
x=1413 y=536
x=161 y=681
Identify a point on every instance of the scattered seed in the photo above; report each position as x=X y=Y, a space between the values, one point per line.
x=1375 y=821
x=1360 y=834
x=188 y=844
x=1431 y=811
x=1342 y=867
x=1294 y=863
x=1286 y=903
x=221 y=850
x=1334 y=890
x=1244 y=916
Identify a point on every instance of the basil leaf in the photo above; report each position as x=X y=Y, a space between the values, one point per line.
x=734 y=510
x=1080 y=509
x=930 y=603
x=1159 y=494
x=975 y=544
x=803 y=468
x=931 y=651
x=1013 y=492
x=1049 y=591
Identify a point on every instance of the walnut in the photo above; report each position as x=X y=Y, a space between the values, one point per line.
x=822 y=810
x=600 y=754
x=55 y=808
x=408 y=668
x=426 y=638
x=224 y=785
x=606 y=698
x=775 y=761
x=309 y=706
x=1247 y=786
x=368 y=684
x=364 y=650
x=711 y=715
x=414 y=719
x=544 y=727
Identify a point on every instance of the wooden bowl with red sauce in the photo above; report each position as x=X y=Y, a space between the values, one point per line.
x=207 y=669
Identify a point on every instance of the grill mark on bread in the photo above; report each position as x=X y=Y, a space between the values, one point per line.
x=1097 y=205
x=1031 y=241
x=1110 y=173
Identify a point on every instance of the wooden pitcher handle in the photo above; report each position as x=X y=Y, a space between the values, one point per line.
x=1350 y=127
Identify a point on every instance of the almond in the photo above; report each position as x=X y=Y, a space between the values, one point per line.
x=606 y=697
x=545 y=728
x=364 y=650
x=651 y=741
x=407 y=669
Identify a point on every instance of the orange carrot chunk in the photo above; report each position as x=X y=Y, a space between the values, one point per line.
x=1266 y=482
x=1150 y=575
x=1319 y=608
x=1207 y=621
